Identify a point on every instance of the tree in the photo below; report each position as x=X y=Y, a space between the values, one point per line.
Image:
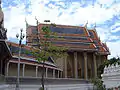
x=98 y=83
x=106 y=63
x=46 y=49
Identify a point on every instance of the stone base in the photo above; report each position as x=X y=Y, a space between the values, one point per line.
x=30 y=83
x=51 y=87
x=48 y=81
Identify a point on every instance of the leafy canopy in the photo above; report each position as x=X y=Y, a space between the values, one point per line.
x=46 y=48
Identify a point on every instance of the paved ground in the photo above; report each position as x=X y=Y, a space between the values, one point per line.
x=48 y=81
x=28 y=83
x=49 y=87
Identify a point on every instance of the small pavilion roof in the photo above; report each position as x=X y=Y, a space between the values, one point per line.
x=14 y=48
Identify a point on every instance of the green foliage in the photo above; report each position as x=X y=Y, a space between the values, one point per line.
x=106 y=63
x=101 y=68
x=46 y=48
x=98 y=83
x=53 y=24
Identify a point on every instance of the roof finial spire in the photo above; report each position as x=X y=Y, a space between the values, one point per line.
x=36 y=21
x=95 y=26
x=26 y=23
x=86 y=24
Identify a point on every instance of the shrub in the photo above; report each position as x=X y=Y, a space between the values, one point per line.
x=98 y=83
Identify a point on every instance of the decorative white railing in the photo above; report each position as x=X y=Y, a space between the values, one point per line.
x=112 y=69
x=111 y=76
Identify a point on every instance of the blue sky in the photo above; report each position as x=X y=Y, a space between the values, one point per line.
x=105 y=13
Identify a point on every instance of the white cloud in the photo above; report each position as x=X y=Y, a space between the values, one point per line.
x=114 y=29
x=114 y=37
x=114 y=48
x=109 y=2
x=104 y=34
x=15 y=16
x=14 y=20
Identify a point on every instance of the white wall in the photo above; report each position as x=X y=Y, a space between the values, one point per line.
x=111 y=76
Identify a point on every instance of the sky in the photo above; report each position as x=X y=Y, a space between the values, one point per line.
x=105 y=13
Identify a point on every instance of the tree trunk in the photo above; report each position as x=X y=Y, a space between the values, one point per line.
x=42 y=79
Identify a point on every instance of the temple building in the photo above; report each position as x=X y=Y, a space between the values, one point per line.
x=29 y=66
x=85 y=52
x=85 y=49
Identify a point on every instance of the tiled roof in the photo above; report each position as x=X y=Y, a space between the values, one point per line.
x=74 y=37
x=25 y=52
x=102 y=48
x=71 y=36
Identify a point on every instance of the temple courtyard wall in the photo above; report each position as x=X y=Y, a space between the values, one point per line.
x=79 y=65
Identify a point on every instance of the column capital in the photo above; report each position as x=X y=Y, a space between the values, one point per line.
x=36 y=67
x=84 y=53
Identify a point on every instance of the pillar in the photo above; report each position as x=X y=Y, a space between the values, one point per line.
x=61 y=74
x=65 y=67
x=58 y=73
x=23 y=70
x=53 y=73
x=46 y=72
x=1 y=66
x=8 y=63
x=75 y=65
x=95 y=66
x=36 y=71
x=85 y=66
